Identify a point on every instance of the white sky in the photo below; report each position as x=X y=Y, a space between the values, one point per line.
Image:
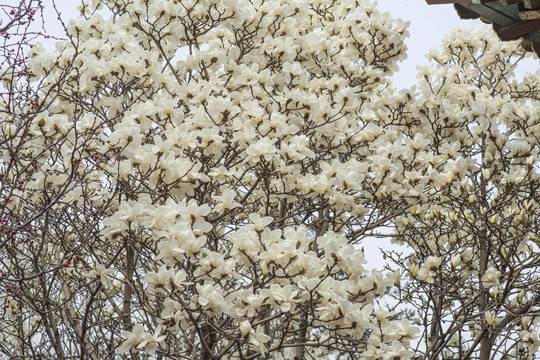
x=428 y=26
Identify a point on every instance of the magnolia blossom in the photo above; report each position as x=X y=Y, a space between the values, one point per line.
x=140 y=339
x=469 y=236
x=258 y=339
x=101 y=273
x=219 y=166
x=491 y=277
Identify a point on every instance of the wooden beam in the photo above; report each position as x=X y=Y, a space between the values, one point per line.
x=528 y=14
x=495 y=14
x=435 y=2
x=536 y=48
x=509 y=11
x=510 y=2
x=465 y=13
x=519 y=29
x=532 y=4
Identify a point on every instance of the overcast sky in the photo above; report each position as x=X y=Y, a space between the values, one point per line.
x=428 y=26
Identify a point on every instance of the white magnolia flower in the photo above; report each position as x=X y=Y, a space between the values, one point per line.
x=259 y=222
x=211 y=297
x=101 y=273
x=133 y=338
x=491 y=277
x=225 y=201
x=258 y=339
x=245 y=328
x=150 y=342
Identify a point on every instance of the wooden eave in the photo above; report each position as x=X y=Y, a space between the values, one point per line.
x=511 y=19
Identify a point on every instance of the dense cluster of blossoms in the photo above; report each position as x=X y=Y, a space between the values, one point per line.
x=197 y=179
x=474 y=266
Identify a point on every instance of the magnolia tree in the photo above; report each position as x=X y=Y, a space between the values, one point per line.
x=195 y=179
x=474 y=269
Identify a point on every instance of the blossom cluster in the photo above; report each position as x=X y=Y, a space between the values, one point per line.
x=476 y=235
x=201 y=174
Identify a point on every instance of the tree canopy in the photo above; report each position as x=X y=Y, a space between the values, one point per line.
x=196 y=179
